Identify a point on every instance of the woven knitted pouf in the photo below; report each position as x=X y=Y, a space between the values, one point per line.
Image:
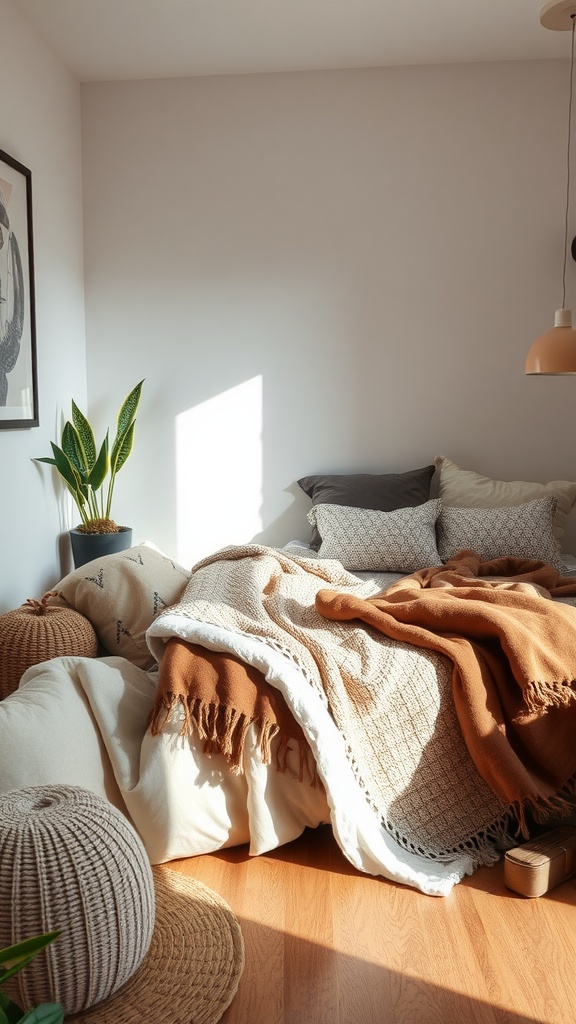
x=69 y=860
x=38 y=631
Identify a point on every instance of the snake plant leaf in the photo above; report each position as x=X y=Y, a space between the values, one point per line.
x=85 y=436
x=64 y=467
x=73 y=449
x=46 y=1013
x=73 y=482
x=122 y=448
x=4 y=1018
x=128 y=412
x=100 y=468
x=80 y=490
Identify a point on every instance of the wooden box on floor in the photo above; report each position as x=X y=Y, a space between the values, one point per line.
x=542 y=863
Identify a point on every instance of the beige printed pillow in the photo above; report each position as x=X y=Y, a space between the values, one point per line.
x=122 y=594
x=403 y=540
x=463 y=488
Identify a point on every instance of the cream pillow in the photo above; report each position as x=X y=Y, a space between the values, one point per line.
x=48 y=734
x=122 y=594
x=364 y=539
x=465 y=489
x=521 y=531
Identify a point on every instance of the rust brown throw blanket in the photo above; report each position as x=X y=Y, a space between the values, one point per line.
x=221 y=697
x=513 y=652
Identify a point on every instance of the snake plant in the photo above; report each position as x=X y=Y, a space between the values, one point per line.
x=85 y=469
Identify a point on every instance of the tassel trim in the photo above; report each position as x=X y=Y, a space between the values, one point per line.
x=224 y=729
x=540 y=695
x=542 y=808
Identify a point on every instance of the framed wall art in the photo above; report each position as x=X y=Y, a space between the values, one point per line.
x=18 y=374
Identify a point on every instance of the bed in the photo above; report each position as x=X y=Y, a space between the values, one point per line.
x=272 y=689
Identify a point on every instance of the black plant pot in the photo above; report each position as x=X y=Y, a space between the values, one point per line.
x=88 y=546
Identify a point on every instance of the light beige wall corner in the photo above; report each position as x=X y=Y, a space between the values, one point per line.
x=40 y=127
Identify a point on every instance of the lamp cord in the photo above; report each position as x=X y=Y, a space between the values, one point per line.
x=568 y=147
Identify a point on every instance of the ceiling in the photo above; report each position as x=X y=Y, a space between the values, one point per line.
x=108 y=40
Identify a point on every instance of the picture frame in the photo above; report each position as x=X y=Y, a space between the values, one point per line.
x=18 y=370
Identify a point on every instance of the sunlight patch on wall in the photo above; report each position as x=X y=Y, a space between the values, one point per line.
x=219 y=472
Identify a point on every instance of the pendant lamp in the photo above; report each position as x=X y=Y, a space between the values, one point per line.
x=555 y=351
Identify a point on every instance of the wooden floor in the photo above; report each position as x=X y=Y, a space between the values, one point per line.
x=328 y=945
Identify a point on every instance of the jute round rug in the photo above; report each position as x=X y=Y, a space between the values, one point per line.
x=193 y=967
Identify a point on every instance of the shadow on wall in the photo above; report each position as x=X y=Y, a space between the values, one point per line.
x=291 y=524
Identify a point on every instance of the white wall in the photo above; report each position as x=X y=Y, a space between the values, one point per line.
x=324 y=271
x=315 y=272
x=40 y=127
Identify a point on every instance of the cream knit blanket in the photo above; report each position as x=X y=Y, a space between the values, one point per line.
x=406 y=799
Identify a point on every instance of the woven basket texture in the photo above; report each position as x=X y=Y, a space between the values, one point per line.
x=69 y=860
x=28 y=636
x=193 y=967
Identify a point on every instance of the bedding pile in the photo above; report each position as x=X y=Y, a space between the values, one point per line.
x=514 y=658
x=269 y=690
x=406 y=799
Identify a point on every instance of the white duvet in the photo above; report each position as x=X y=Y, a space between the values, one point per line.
x=83 y=722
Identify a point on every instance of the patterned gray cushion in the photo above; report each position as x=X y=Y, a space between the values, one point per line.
x=522 y=531
x=122 y=594
x=466 y=489
x=365 y=539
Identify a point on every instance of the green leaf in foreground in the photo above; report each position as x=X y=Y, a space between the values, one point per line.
x=46 y=1013
x=14 y=958
x=9 y=1010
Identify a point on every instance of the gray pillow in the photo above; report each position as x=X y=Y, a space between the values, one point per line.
x=403 y=540
x=380 y=492
x=522 y=531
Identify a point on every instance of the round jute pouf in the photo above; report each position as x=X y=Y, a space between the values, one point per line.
x=193 y=968
x=70 y=861
x=38 y=631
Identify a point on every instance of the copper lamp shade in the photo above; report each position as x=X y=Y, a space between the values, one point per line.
x=555 y=351
x=557 y=15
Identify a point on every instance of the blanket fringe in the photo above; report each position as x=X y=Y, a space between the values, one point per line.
x=540 y=694
x=223 y=731
x=483 y=849
x=305 y=760
x=161 y=713
x=560 y=805
x=516 y=826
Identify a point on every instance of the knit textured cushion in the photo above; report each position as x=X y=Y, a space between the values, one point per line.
x=523 y=531
x=463 y=488
x=361 y=539
x=71 y=861
x=121 y=594
x=38 y=631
